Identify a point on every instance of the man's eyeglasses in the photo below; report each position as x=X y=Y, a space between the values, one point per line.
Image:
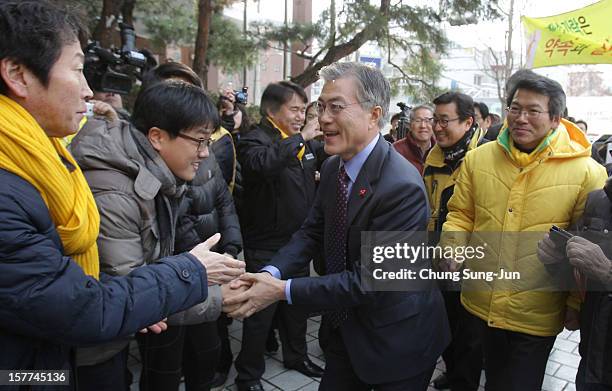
x=443 y=122
x=516 y=111
x=202 y=142
x=426 y=121
x=334 y=108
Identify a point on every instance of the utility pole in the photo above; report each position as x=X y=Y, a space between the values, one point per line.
x=285 y=56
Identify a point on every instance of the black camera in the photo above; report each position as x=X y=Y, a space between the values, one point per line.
x=403 y=121
x=114 y=70
x=241 y=96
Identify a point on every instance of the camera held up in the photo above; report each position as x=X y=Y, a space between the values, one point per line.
x=114 y=70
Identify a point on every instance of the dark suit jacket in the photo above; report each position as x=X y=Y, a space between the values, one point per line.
x=390 y=336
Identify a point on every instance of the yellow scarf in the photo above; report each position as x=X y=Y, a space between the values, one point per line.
x=284 y=135
x=525 y=159
x=26 y=151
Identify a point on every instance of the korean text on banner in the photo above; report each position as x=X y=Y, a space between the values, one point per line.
x=583 y=36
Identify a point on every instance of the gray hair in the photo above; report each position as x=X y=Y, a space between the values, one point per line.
x=372 y=87
x=420 y=107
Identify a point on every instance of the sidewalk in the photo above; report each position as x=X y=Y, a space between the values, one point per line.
x=560 y=371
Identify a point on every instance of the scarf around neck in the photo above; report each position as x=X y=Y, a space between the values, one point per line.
x=170 y=195
x=27 y=151
x=455 y=153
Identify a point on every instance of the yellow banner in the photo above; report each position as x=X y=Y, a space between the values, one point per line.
x=583 y=36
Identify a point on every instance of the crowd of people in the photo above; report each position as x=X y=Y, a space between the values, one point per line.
x=128 y=226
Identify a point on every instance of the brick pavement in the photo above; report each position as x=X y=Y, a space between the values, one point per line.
x=560 y=371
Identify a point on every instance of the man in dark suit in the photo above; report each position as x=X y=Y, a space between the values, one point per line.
x=383 y=340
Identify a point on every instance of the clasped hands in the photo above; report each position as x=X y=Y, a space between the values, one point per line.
x=250 y=293
x=243 y=293
x=583 y=254
x=220 y=269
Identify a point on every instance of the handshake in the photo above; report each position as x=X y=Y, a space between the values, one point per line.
x=243 y=293
x=250 y=293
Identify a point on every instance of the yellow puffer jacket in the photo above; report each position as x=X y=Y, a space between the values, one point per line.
x=439 y=181
x=500 y=189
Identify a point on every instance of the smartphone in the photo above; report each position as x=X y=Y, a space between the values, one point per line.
x=560 y=236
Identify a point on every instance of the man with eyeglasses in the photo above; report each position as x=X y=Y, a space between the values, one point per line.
x=456 y=133
x=386 y=340
x=278 y=172
x=419 y=140
x=138 y=172
x=537 y=173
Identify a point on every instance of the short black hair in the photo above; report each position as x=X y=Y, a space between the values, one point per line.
x=581 y=121
x=34 y=34
x=519 y=75
x=483 y=108
x=174 y=106
x=544 y=86
x=171 y=70
x=277 y=94
x=464 y=103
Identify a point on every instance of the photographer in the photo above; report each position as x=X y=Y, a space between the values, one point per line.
x=223 y=140
x=591 y=254
x=392 y=135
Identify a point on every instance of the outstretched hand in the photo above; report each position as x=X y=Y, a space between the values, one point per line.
x=220 y=268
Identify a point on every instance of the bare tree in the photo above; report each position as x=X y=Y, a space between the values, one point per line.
x=403 y=26
x=500 y=65
x=339 y=51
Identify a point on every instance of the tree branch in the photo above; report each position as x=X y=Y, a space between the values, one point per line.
x=300 y=54
x=406 y=76
x=337 y=52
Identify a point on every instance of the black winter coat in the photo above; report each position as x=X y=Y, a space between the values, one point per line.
x=278 y=188
x=209 y=209
x=596 y=312
x=48 y=305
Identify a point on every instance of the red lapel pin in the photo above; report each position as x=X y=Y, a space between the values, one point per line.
x=362 y=193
